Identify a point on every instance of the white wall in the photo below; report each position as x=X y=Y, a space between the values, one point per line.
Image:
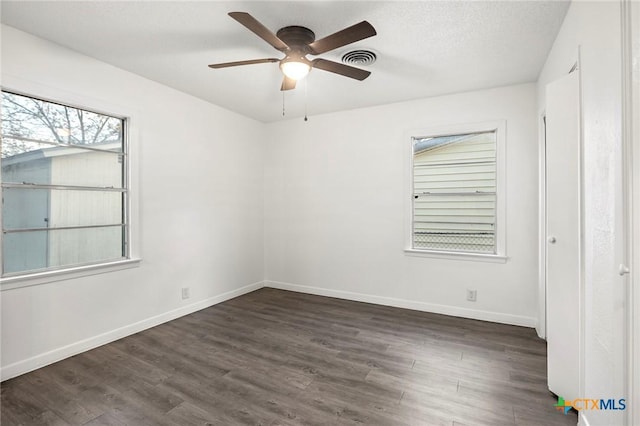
x=335 y=208
x=201 y=209
x=594 y=27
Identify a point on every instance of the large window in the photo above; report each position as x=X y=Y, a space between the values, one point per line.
x=455 y=192
x=64 y=186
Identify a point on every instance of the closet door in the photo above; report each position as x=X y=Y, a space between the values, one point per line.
x=563 y=264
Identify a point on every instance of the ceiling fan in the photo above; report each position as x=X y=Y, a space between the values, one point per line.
x=296 y=42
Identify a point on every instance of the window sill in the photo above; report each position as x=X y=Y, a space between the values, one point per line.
x=10 y=283
x=452 y=255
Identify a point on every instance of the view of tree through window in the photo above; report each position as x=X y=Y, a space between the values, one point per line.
x=63 y=185
x=29 y=118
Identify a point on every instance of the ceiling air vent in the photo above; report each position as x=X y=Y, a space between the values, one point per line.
x=359 y=57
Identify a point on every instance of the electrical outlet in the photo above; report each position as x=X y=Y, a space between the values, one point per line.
x=471 y=295
x=185 y=293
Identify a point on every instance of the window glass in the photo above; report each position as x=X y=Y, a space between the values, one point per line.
x=49 y=249
x=74 y=167
x=64 y=193
x=454 y=193
x=25 y=118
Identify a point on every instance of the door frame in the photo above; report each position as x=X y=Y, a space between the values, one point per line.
x=630 y=12
x=541 y=328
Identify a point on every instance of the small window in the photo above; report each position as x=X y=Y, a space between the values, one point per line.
x=454 y=192
x=64 y=186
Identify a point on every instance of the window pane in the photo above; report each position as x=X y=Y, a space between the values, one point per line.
x=464 y=148
x=64 y=195
x=454 y=192
x=29 y=251
x=51 y=208
x=31 y=118
x=59 y=165
x=472 y=242
x=17 y=149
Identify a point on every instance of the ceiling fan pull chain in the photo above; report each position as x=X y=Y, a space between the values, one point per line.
x=283 y=104
x=306 y=84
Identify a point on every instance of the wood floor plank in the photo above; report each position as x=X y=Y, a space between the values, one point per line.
x=105 y=420
x=436 y=407
x=416 y=382
x=274 y=357
x=161 y=400
x=18 y=407
x=188 y=414
x=58 y=400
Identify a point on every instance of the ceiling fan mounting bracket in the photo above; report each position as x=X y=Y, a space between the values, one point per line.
x=296 y=37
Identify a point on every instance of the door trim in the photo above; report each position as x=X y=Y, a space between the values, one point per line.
x=541 y=328
x=630 y=16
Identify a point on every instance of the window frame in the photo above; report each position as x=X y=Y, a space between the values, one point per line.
x=132 y=256
x=497 y=126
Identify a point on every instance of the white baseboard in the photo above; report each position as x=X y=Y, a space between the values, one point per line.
x=582 y=419
x=540 y=332
x=38 y=361
x=455 y=311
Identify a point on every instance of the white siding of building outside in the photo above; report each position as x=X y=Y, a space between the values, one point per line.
x=79 y=208
x=25 y=250
x=51 y=208
x=462 y=217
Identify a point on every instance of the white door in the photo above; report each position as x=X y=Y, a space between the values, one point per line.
x=563 y=235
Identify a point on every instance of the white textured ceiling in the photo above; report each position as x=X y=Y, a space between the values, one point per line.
x=424 y=48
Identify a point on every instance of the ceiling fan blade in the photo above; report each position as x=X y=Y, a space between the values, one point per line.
x=342 y=38
x=260 y=30
x=288 y=84
x=249 y=62
x=342 y=69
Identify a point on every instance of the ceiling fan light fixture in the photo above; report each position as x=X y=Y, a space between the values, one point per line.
x=294 y=69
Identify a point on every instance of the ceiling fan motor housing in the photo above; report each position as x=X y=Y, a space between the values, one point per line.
x=297 y=38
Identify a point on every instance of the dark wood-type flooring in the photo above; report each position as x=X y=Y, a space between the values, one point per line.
x=274 y=357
